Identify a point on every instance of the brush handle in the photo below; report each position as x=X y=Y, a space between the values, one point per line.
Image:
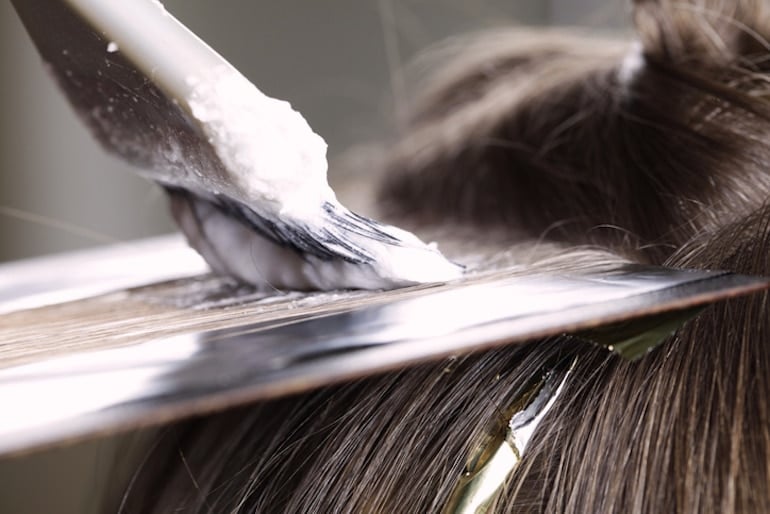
x=153 y=40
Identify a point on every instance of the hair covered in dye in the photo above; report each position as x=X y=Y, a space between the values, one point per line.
x=655 y=150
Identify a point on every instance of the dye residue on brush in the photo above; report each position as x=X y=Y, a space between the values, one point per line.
x=272 y=219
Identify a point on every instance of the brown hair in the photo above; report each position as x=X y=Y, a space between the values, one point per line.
x=657 y=152
x=636 y=147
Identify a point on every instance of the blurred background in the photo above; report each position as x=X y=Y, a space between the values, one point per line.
x=335 y=60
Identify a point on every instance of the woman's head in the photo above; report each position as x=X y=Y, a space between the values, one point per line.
x=655 y=149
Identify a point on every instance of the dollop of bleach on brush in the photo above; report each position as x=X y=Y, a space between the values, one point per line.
x=275 y=221
x=273 y=156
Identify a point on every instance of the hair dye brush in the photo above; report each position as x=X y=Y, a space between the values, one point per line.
x=245 y=172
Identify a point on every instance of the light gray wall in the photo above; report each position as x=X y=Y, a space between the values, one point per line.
x=600 y=14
